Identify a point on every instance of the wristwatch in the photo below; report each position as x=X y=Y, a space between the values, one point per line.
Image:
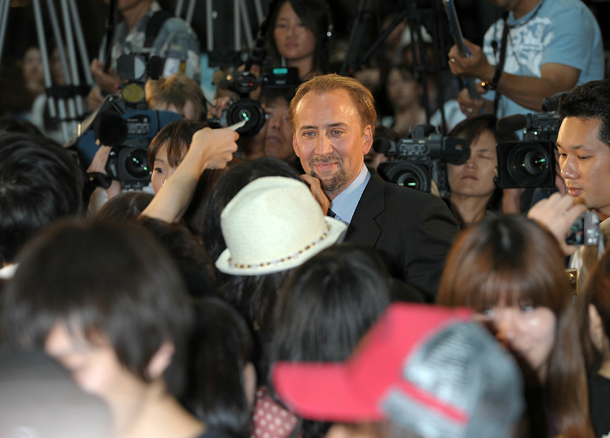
x=493 y=84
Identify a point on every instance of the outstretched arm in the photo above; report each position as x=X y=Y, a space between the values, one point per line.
x=210 y=149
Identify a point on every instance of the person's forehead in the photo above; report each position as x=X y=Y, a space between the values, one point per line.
x=317 y=102
x=578 y=133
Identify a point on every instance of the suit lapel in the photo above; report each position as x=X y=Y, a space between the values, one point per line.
x=363 y=228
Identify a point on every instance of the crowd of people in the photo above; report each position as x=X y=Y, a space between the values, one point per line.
x=273 y=285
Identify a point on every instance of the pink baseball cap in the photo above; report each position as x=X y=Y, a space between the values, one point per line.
x=430 y=369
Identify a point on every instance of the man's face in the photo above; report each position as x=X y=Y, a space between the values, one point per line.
x=278 y=135
x=330 y=140
x=584 y=161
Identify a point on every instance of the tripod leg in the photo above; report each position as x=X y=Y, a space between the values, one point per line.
x=190 y=11
x=246 y=23
x=4 y=8
x=178 y=11
x=47 y=72
x=209 y=25
x=64 y=63
x=82 y=48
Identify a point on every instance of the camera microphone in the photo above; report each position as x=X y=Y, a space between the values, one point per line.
x=111 y=129
x=512 y=123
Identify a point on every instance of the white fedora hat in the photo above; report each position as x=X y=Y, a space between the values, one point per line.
x=274 y=224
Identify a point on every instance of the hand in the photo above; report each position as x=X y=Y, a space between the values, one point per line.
x=475 y=66
x=98 y=165
x=107 y=81
x=318 y=193
x=557 y=213
x=217 y=106
x=213 y=147
x=469 y=106
x=94 y=99
x=511 y=201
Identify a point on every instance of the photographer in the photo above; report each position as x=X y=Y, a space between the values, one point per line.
x=583 y=143
x=472 y=192
x=539 y=48
x=142 y=19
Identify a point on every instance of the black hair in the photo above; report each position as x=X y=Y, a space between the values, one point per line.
x=220 y=348
x=317 y=17
x=176 y=136
x=470 y=129
x=10 y=125
x=206 y=222
x=100 y=279
x=187 y=252
x=589 y=101
x=326 y=307
x=39 y=183
x=125 y=207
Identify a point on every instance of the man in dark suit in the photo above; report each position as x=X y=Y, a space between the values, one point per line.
x=333 y=120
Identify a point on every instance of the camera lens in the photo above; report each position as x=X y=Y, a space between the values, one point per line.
x=412 y=175
x=136 y=164
x=534 y=162
x=250 y=111
x=529 y=163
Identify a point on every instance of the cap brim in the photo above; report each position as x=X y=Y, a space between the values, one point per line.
x=322 y=392
x=337 y=228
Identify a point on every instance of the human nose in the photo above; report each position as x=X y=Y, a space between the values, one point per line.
x=324 y=145
x=507 y=326
x=569 y=169
x=275 y=122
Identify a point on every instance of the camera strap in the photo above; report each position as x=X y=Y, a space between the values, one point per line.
x=503 y=44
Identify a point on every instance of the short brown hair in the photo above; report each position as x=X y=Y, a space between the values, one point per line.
x=361 y=96
x=176 y=90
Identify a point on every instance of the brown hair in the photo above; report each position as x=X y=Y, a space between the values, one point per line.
x=177 y=136
x=360 y=95
x=176 y=90
x=596 y=293
x=515 y=259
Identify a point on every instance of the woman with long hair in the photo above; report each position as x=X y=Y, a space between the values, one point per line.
x=510 y=270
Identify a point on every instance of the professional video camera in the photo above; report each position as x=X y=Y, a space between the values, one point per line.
x=244 y=108
x=419 y=158
x=530 y=162
x=124 y=122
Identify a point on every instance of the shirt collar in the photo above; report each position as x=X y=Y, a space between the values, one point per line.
x=344 y=205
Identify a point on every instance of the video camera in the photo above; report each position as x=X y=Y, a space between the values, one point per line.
x=419 y=158
x=244 y=108
x=125 y=123
x=530 y=162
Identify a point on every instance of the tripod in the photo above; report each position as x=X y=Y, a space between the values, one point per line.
x=66 y=103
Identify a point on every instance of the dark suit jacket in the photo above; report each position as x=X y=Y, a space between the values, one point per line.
x=411 y=229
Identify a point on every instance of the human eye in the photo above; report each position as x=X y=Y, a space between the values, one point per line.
x=584 y=157
x=488 y=313
x=309 y=134
x=527 y=308
x=158 y=170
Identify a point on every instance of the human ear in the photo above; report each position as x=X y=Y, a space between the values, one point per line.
x=368 y=140
x=295 y=146
x=161 y=360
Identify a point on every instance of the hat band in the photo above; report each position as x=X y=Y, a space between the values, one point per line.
x=283 y=259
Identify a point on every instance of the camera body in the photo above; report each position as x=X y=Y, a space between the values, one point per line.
x=585 y=230
x=530 y=162
x=244 y=108
x=125 y=123
x=420 y=158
